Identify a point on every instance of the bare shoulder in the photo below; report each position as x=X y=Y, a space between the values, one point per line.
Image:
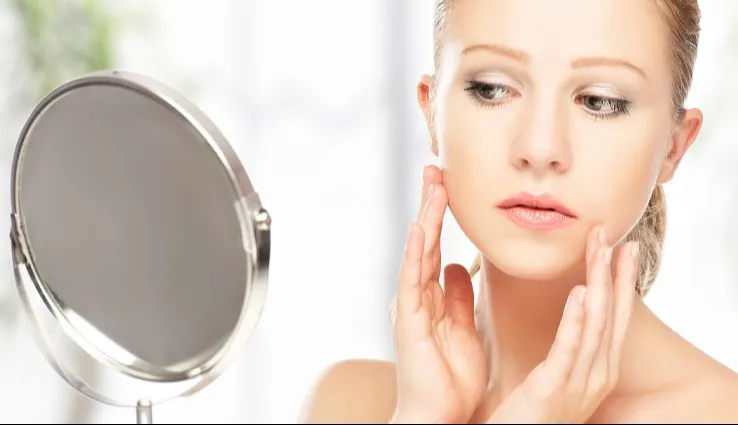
x=712 y=400
x=352 y=391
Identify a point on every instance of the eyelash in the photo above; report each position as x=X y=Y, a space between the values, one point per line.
x=479 y=92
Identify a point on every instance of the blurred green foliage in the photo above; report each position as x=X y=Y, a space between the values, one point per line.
x=62 y=39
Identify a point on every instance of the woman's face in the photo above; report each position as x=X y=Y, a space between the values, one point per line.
x=567 y=99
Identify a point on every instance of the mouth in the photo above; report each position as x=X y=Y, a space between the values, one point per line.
x=540 y=212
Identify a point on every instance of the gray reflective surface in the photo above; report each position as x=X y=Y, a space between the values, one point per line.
x=131 y=222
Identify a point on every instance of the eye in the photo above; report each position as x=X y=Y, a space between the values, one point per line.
x=603 y=106
x=488 y=94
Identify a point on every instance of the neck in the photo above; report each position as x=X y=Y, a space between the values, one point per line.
x=518 y=321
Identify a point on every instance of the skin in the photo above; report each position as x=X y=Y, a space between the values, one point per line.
x=540 y=117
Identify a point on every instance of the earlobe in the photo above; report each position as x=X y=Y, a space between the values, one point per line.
x=681 y=140
x=425 y=89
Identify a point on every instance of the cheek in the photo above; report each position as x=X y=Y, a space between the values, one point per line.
x=618 y=176
x=471 y=140
x=472 y=152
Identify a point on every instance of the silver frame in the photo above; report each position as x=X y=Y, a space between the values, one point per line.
x=62 y=344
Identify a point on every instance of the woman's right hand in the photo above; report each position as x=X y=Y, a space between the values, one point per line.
x=441 y=367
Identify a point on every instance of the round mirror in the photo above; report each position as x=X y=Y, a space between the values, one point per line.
x=138 y=240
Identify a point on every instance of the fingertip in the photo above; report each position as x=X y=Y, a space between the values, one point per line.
x=625 y=256
x=573 y=310
x=575 y=303
x=580 y=293
x=459 y=294
x=434 y=174
x=456 y=273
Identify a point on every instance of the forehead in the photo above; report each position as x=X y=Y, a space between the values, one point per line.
x=565 y=29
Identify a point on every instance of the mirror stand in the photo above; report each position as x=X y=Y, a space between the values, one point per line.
x=143 y=412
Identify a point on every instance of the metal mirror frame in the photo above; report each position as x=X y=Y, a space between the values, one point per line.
x=63 y=344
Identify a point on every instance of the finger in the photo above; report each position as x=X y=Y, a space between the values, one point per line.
x=409 y=290
x=599 y=375
x=592 y=242
x=459 y=295
x=432 y=222
x=423 y=194
x=624 y=298
x=431 y=175
x=563 y=354
x=434 y=175
x=595 y=311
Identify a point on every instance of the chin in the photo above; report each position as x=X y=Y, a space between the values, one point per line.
x=532 y=260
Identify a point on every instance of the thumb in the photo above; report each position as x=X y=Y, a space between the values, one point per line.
x=459 y=295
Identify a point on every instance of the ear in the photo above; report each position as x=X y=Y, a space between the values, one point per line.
x=681 y=140
x=425 y=90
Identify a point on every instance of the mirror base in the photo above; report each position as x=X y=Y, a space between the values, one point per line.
x=143 y=412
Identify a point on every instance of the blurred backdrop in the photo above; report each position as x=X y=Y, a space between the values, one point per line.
x=318 y=99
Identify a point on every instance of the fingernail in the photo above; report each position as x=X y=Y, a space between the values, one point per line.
x=426 y=171
x=634 y=250
x=608 y=256
x=603 y=235
x=431 y=189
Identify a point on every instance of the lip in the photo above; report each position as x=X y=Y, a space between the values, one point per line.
x=538 y=212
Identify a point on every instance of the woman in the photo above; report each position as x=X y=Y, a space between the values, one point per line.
x=555 y=125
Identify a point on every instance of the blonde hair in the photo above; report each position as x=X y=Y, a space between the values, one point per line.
x=683 y=20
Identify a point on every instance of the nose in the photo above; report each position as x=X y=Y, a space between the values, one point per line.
x=542 y=144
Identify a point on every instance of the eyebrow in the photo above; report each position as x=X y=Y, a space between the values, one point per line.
x=522 y=57
x=607 y=61
x=499 y=49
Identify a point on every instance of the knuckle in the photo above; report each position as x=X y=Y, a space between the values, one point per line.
x=598 y=382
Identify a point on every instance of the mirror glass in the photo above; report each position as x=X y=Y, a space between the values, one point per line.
x=139 y=229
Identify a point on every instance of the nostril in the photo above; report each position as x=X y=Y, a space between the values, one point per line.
x=556 y=165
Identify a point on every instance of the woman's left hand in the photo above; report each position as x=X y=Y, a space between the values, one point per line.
x=582 y=366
